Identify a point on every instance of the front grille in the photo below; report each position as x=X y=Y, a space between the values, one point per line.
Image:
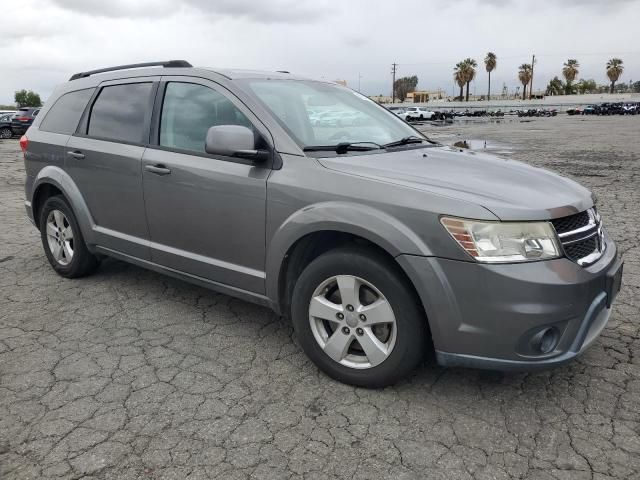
x=578 y=250
x=581 y=236
x=572 y=222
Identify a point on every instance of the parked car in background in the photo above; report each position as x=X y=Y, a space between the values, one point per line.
x=23 y=119
x=402 y=113
x=5 y=125
x=419 y=113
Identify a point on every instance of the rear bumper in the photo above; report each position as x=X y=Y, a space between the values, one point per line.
x=492 y=316
x=19 y=129
x=29 y=209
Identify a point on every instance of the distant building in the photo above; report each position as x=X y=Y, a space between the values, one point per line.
x=380 y=98
x=423 y=96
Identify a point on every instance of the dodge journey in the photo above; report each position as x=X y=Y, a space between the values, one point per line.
x=381 y=246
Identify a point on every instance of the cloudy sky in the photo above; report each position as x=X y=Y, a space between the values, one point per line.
x=42 y=42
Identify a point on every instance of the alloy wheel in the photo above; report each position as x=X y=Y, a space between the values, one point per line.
x=352 y=322
x=60 y=237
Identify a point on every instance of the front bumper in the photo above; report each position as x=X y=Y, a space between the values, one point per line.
x=489 y=316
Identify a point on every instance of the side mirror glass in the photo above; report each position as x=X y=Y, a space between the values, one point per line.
x=233 y=141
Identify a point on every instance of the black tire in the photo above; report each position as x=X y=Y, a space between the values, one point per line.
x=82 y=261
x=6 y=132
x=412 y=341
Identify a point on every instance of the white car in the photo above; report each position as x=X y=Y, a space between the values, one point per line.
x=401 y=112
x=419 y=113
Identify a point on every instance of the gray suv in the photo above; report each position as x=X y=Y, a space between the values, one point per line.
x=381 y=246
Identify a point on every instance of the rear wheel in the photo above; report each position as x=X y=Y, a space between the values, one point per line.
x=62 y=240
x=6 y=133
x=357 y=318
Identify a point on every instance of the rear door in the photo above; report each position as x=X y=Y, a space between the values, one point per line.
x=49 y=137
x=104 y=160
x=206 y=213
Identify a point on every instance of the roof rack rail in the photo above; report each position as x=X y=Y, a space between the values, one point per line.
x=165 y=64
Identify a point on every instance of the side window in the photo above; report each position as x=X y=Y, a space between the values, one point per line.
x=65 y=114
x=120 y=111
x=189 y=110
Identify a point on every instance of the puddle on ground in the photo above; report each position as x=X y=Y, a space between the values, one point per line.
x=489 y=146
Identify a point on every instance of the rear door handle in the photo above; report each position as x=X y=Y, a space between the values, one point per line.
x=157 y=169
x=76 y=154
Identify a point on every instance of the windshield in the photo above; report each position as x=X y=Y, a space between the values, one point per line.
x=317 y=113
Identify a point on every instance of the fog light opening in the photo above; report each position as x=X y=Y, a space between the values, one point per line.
x=548 y=340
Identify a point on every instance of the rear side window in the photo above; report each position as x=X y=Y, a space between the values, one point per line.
x=189 y=110
x=65 y=114
x=120 y=111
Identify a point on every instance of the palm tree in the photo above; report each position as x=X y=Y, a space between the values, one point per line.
x=459 y=75
x=555 y=87
x=470 y=73
x=614 y=70
x=490 y=63
x=524 y=75
x=570 y=72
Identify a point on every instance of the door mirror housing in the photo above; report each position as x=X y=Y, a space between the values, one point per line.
x=233 y=141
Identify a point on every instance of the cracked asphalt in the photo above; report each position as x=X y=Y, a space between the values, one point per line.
x=130 y=374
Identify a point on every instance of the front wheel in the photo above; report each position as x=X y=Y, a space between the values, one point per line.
x=357 y=319
x=6 y=133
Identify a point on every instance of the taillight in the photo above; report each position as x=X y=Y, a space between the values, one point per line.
x=23 y=119
x=24 y=143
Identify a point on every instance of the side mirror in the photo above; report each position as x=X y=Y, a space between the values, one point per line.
x=233 y=141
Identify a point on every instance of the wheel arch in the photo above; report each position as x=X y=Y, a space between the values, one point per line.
x=53 y=180
x=314 y=230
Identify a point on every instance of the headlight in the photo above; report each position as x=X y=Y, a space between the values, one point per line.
x=501 y=242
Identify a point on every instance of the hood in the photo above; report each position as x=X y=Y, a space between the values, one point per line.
x=511 y=190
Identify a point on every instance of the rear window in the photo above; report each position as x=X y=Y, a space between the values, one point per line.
x=120 y=111
x=65 y=114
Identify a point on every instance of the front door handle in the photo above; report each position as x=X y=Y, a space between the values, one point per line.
x=76 y=154
x=157 y=169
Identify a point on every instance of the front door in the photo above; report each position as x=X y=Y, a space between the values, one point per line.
x=104 y=160
x=206 y=213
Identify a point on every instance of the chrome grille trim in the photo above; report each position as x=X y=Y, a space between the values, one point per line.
x=575 y=239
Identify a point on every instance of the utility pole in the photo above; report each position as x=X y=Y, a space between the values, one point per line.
x=533 y=62
x=393 y=86
x=359 y=77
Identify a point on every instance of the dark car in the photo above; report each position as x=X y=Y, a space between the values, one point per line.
x=5 y=125
x=23 y=119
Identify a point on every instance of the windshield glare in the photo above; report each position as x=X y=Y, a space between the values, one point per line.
x=317 y=113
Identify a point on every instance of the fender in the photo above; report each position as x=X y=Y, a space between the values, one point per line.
x=364 y=221
x=60 y=179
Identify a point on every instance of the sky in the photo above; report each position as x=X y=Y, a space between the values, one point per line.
x=43 y=42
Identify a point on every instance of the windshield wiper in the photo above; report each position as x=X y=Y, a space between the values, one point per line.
x=344 y=147
x=404 y=141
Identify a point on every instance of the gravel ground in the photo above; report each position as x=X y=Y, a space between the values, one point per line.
x=130 y=374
